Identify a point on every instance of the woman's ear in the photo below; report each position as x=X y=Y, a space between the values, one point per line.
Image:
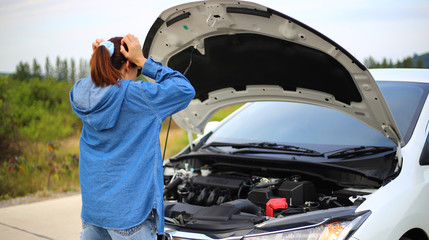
x=127 y=66
x=125 y=70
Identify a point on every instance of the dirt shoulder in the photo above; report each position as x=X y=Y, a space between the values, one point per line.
x=37 y=197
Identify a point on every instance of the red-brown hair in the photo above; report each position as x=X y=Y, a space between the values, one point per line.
x=105 y=69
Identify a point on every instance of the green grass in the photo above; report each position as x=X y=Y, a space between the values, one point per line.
x=223 y=113
x=42 y=168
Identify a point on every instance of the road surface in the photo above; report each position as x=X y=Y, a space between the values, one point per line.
x=55 y=219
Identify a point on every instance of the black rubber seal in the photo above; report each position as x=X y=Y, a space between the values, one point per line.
x=178 y=18
x=151 y=35
x=248 y=11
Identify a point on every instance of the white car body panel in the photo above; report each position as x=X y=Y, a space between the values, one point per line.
x=401 y=205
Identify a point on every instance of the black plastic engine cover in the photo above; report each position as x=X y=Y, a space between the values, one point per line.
x=223 y=217
x=221 y=182
x=297 y=193
x=260 y=196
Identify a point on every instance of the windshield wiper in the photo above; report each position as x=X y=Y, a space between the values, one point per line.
x=359 y=151
x=264 y=146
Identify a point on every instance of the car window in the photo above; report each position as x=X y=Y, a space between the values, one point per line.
x=297 y=123
x=405 y=101
x=284 y=122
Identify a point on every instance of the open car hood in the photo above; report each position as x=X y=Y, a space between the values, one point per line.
x=235 y=52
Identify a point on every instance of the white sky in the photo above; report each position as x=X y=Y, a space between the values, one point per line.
x=39 y=28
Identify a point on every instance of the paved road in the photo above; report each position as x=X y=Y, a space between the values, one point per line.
x=57 y=219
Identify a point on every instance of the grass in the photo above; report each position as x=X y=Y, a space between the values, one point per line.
x=46 y=168
x=177 y=139
x=43 y=168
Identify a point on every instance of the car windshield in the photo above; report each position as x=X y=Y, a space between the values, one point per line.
x=304 y=124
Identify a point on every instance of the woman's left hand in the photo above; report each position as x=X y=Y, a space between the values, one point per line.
x=134 y=53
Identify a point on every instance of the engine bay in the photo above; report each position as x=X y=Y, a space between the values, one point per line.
x=214 y=198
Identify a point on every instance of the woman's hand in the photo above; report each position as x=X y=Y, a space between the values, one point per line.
x=96 y=43
x=134 y=53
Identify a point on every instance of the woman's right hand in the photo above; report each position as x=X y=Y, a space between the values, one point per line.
x=96 y=43
x=134 y=53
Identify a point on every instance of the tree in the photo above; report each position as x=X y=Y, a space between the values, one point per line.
x=72 y=70
x=49 y=71
x=398 y=64
x=408 y=63
x=37 y=70
x=62 y=71
x=65 y=70
x=58 y=69
x=420 y=63
x=384 y=63
x=83 y=68
x=22 y=71
x=370 y=62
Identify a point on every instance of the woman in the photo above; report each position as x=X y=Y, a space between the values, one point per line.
x=120 y=165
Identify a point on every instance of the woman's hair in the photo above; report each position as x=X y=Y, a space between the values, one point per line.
x=105 y=69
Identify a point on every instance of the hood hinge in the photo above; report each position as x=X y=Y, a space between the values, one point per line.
x=398 y=156
x=191 y=139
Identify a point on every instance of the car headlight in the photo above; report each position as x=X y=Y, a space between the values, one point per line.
x=334 y=230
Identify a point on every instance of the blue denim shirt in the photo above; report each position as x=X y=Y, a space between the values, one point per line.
x=120 y=166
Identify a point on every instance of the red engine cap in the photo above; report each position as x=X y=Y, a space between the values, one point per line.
x=275 y=203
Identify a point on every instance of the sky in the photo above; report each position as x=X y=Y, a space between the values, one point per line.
x=37 y=29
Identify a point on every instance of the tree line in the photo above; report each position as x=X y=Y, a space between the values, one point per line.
x=407 y=62
x=63 y=70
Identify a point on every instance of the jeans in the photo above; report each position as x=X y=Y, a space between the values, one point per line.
x=145 y=230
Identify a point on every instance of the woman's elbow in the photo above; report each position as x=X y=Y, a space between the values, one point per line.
x=188 y=90
x=191 y=93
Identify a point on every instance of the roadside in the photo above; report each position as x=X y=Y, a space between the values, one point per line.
x=37 y=197
x=53 y=219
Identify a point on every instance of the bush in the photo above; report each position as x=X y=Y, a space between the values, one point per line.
x=8 y=133
x=34 y=114
x=42 y=110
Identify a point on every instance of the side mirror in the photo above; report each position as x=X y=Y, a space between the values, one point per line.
x=424 y=157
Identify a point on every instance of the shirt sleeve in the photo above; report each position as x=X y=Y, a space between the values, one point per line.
x=171 y=91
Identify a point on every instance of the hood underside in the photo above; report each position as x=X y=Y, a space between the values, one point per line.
x=234 y=52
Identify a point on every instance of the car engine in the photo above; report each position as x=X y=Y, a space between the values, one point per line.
x=224 y=200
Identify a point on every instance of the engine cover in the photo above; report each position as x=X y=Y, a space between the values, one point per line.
x=221 y=182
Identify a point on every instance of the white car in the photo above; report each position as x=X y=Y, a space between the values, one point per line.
x=323 y=149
